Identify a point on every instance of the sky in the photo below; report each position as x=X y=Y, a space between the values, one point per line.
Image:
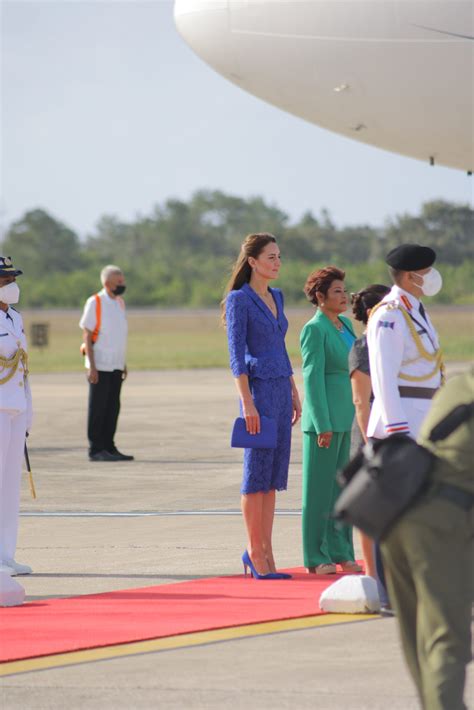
x=105 y=110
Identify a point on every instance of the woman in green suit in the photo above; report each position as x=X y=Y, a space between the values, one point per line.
x=327 y=418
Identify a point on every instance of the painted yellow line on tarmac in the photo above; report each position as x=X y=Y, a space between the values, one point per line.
x=174 y=642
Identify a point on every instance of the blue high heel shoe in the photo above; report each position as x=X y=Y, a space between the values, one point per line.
x=247 y=562
x=283 y=575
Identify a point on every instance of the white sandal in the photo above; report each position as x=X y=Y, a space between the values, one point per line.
x=350 y=566
x=325 y=568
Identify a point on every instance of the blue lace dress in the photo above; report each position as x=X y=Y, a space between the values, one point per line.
x=257 y=349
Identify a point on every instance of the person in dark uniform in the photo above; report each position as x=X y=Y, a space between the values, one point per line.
x=428 y=558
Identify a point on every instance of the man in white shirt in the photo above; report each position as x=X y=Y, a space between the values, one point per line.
x=15 y=415
x=104 y=324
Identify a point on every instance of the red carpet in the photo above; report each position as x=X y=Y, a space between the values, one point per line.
x=41 y=628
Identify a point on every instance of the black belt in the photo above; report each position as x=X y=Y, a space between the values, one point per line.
x=417 y=392
x=456 y=495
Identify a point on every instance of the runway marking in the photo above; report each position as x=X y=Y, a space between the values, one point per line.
x=200 y=638
x=140 y=514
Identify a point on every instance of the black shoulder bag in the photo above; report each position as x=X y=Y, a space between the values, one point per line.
x=388 y=476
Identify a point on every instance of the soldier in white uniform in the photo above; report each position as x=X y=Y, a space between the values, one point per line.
x=405 y=358
x=15 y=415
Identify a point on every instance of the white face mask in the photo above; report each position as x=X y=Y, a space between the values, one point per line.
x=10 y=293
x=432 y=282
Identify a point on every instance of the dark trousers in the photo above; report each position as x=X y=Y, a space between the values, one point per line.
x=428 y=557
x=104 y=408
x=381 y=583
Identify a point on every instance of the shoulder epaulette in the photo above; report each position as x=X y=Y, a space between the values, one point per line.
x=436 y=357
x=389 y=305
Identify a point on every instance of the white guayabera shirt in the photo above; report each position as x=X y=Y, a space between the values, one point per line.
x=111 y=345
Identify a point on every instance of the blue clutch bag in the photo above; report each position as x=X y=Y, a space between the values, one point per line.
x=267 y=439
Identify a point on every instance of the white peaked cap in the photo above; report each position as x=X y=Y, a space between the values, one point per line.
x=11 y=593
x=352 y=594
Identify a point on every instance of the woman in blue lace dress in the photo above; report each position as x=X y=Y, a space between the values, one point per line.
x=256 y=329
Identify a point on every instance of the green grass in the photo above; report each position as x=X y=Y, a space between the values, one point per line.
x=179 y=339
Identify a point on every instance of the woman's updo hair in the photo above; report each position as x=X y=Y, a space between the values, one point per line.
x=367 y=298
x=321 y=280
x=252 y=246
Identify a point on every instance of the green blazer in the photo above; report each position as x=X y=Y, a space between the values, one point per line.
x=328 y=394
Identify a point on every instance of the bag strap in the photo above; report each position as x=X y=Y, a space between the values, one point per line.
x=98 y=317
x=457 y=416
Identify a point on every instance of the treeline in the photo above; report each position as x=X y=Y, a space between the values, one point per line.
x=181 y=254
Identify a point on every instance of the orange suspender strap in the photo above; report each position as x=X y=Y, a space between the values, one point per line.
x=98 y=315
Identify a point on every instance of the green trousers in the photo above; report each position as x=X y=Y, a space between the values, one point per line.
x=428 y=563
x=324 y=540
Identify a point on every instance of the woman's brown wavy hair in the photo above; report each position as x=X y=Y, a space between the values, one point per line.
x=252 y=246
x=319 y=281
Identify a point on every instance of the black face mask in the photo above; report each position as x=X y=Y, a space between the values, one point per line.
x=118 y=290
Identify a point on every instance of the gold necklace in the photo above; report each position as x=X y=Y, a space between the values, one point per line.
x=265 y=296
x=338 y=325
x=270 y=302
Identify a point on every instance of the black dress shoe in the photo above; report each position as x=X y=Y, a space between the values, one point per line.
x=102 y=456
x=119 y=456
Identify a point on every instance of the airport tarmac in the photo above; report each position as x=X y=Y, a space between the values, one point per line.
x=173 y=515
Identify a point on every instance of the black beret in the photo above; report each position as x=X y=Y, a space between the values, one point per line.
x=410 y=257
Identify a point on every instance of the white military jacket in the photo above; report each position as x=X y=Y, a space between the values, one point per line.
x=403 y=351
x=15 y=394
